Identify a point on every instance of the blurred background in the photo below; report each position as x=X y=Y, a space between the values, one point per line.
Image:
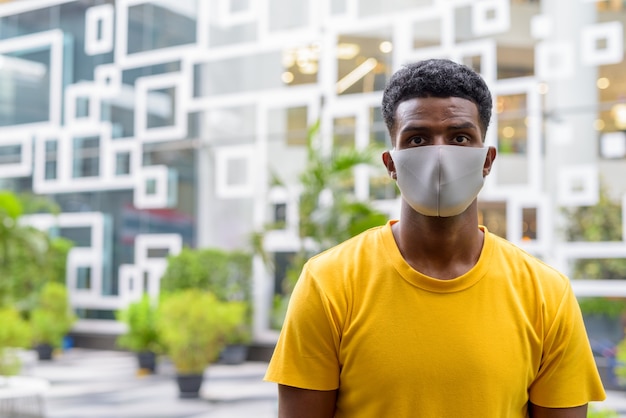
x=151 y=146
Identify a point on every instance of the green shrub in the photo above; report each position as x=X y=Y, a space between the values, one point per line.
x=193 y=325
x=601 y=413
x=140 y=318
x=225 y=274
x=52 y=318
x=14 y=333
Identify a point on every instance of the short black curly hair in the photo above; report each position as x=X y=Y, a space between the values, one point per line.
x=436 y=78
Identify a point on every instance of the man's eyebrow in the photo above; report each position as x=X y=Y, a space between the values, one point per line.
x=464 y=125
x=413 y=128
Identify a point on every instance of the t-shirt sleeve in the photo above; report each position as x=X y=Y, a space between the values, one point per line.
x=306 y=354
x=568 y=375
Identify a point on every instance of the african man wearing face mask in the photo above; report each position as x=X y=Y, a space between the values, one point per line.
x=432 y=316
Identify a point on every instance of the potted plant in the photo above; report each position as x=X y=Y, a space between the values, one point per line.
x=239 y=336
x=227 y=275
x=193 y=325
x=51 y=319
x=141 y=336
x=14 y=334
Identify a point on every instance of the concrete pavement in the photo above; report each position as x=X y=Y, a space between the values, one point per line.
x=105 y=384
x=86 y=383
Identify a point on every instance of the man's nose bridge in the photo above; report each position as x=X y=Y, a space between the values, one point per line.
x=439 y=139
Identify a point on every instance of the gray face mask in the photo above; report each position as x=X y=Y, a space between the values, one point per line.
x=440 y=180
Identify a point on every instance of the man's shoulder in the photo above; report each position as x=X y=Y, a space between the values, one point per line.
x=353 y=251
x=523 y=262
x=367 y=237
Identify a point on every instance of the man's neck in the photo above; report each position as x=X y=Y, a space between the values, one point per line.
x=443 y=248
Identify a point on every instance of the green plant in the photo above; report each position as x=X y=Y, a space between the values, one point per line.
x=52 y=318
x=193 y=325
x=226 y=274
x=601 y=413
x=14 y=333
x=239 y=331
x=29 y=258
x=601 y=222
x=140 y=318
x=329 y=211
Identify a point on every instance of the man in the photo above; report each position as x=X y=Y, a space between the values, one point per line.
x=431 y=316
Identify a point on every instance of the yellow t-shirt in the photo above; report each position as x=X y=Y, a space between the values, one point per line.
x=401 y=344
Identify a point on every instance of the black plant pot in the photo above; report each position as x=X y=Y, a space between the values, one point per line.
x=147 y=361
x=44 y=351
x=234 y=354
x=189 y=385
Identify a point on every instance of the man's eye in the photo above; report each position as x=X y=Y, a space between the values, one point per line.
x=461 y=139
x=417 y=140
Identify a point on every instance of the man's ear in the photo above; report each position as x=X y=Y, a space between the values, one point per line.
x=491 y=156
x=391 y=167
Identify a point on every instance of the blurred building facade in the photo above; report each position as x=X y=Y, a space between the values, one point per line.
x=157 y=124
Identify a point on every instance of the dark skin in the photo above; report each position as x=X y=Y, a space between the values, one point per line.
x=449 y=247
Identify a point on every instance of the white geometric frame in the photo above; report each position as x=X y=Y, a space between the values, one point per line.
x=108 y=79
x=103 y=16
x=613 y=53
x=25 y=166
x=157 y=56
x=65 y=182
x=91 y=256
x=131 y=283
x=85 y=90
x=54 y=40
x=161 y=175
x=227 y=18
x=514 y=218
x=526 y=86
x=224 y=156
x=587 y=176
x=482 y=25
x=548 y=53
x=142 y=88
x=541 y=26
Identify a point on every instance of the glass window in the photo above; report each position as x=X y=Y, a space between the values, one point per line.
x=529 y=224
x=146 y=30
x=50 y=172
x=10 y=154
x=86 y=161
x=289 y=125
x=512 y=118
x=130 y=76
x=220 y=35
x=248 y=73
x=83 y=278
x=338 y=7
x=363 y=62
x=301 y=64
x=493 y=216
x=377 y=7
x=161 y=106
x=121 y=113
x=81 y=236
x=230 y=124
x=378 y=128
x=288 y=14
x=344 y=131
x=122 y=163
x=426 y=33
x=25 y=87
x=515 y=61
